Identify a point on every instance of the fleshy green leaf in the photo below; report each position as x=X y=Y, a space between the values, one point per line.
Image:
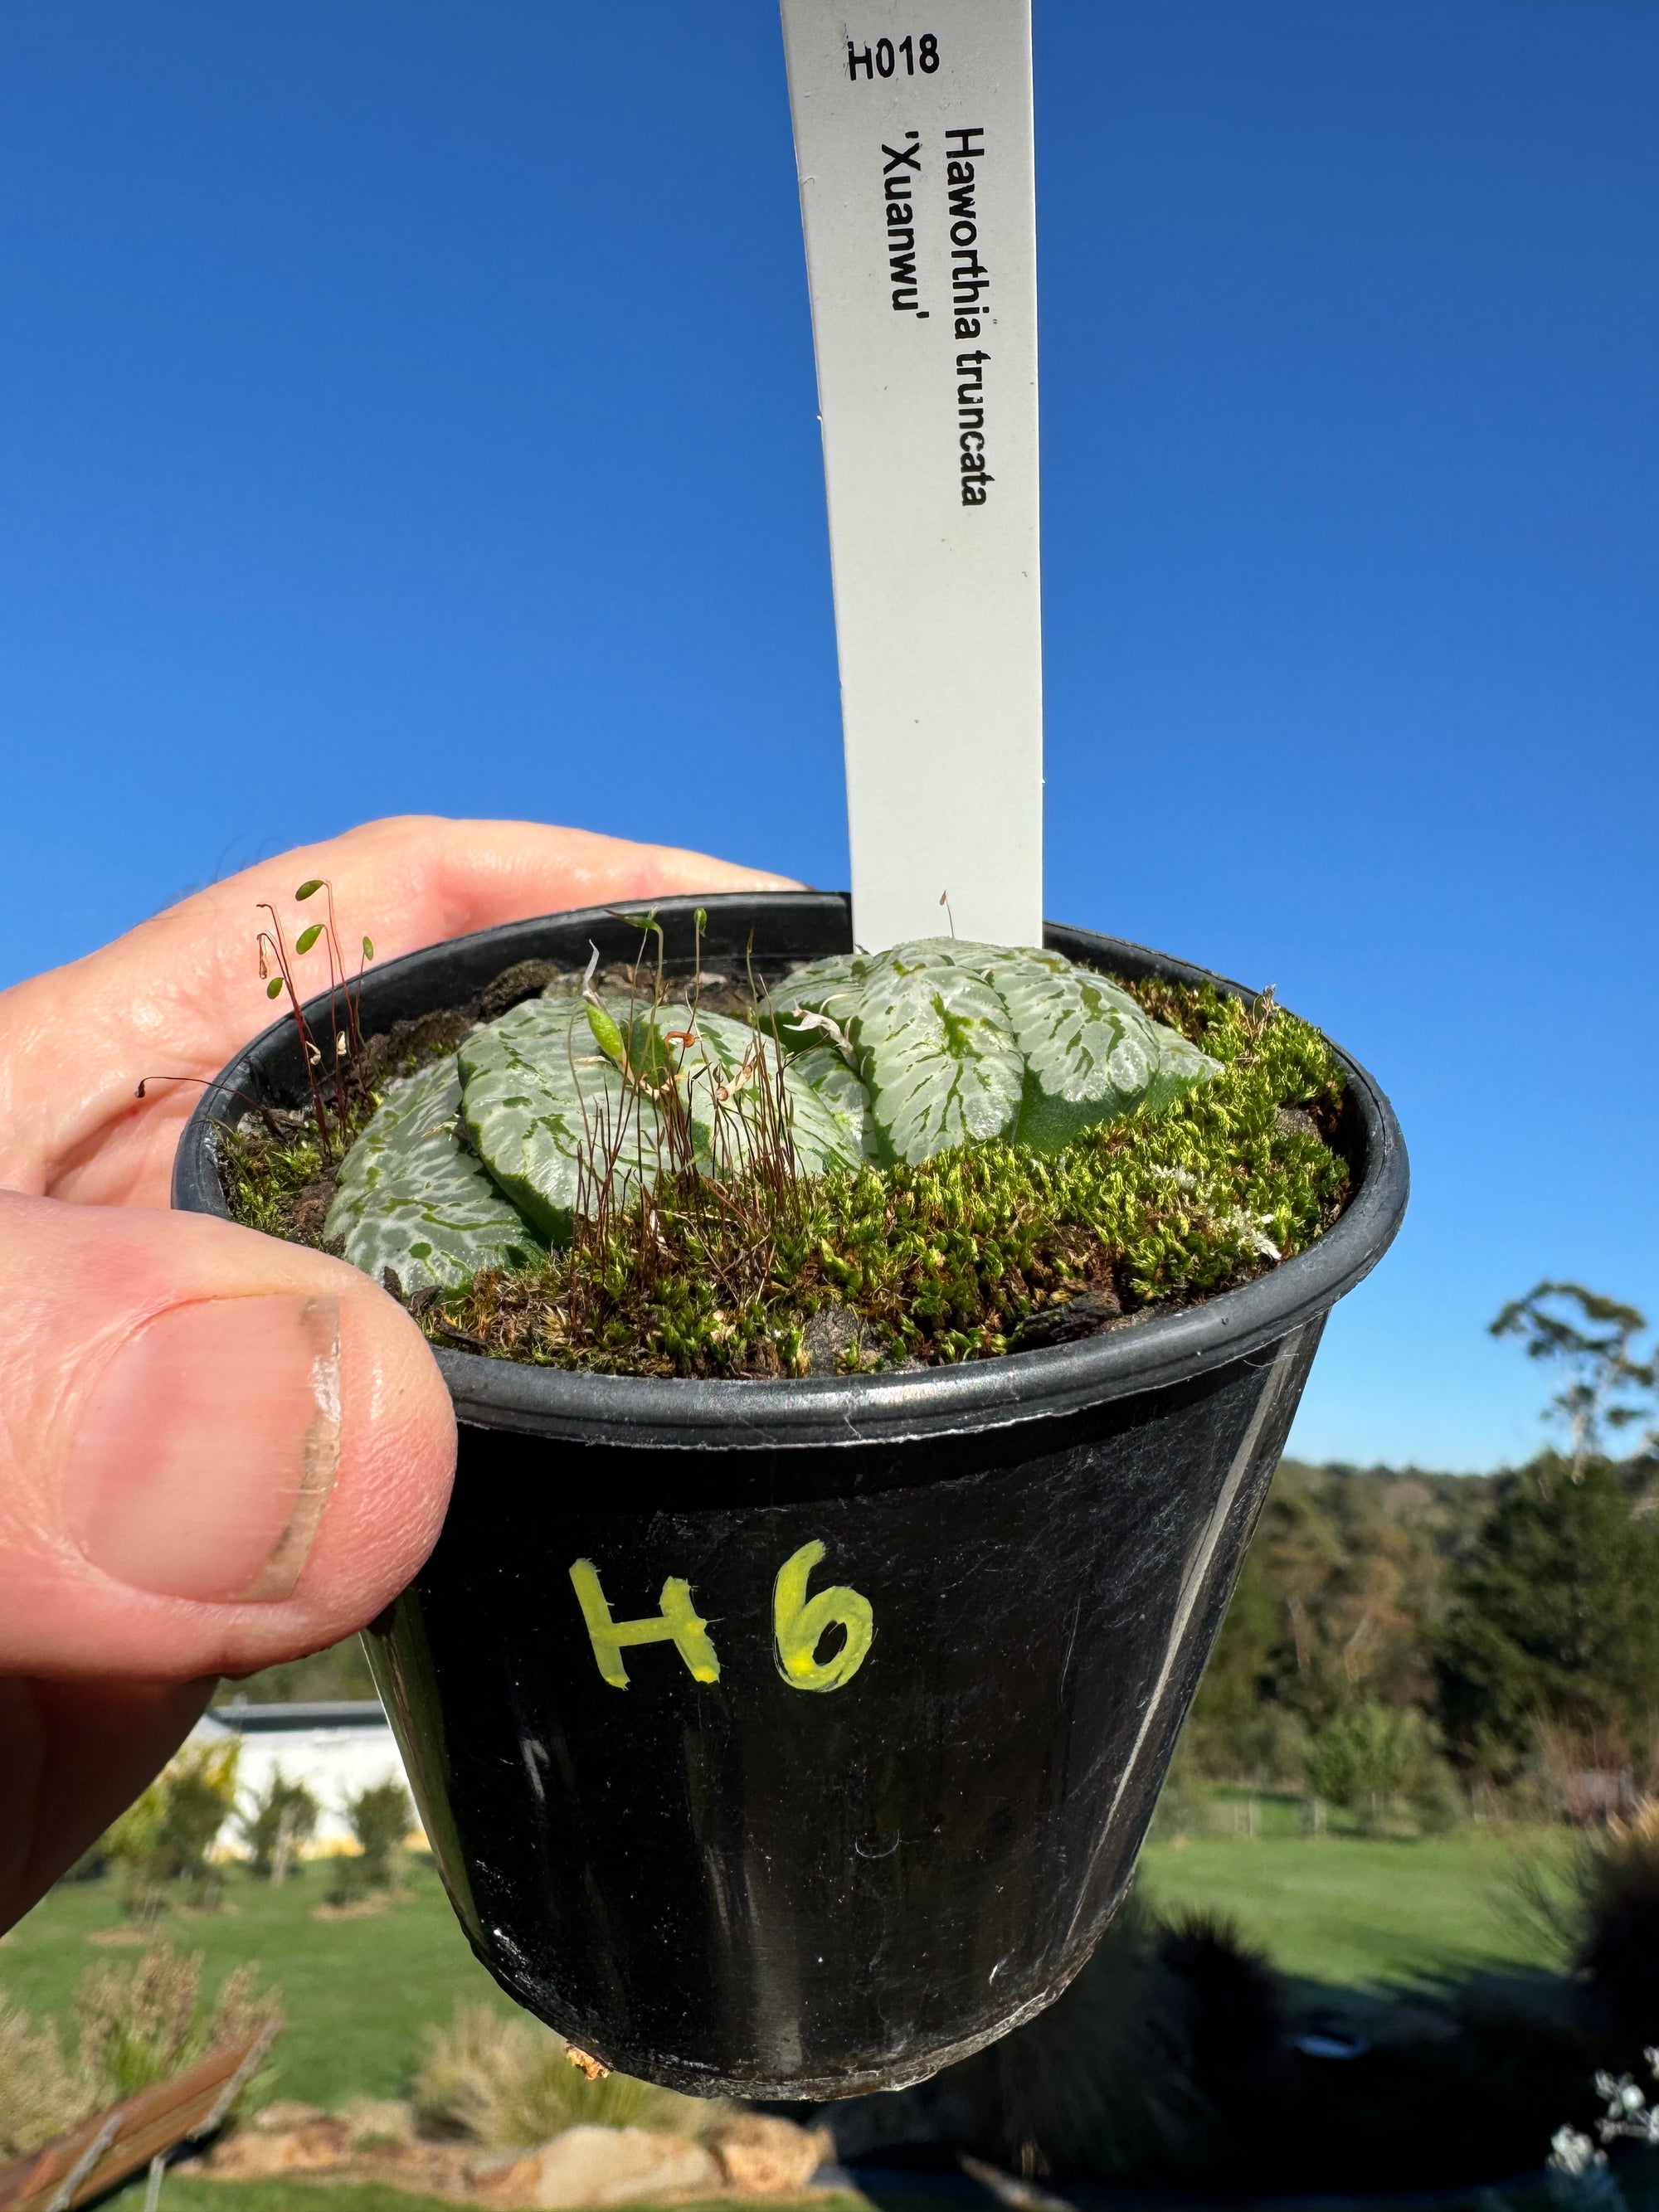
x=831 y=986
x=843 y=1094
x=606 y=1034
x=544 y=1115
x=823 y=1137
x=935 y=1049
x=541 y=1110
x=959 y=1042
x=1091 y=1053
x=411 y=1199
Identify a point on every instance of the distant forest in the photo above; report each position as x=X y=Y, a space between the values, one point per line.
x=1511 y=1619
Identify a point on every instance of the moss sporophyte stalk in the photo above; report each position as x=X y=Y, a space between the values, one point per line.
x=941 y=1153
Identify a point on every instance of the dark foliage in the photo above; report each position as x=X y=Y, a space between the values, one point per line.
x=1555 y=1617
x=1615 y=1882
x=1174 y=2063
x=1338 y=1607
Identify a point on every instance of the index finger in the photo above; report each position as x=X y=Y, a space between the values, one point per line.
x=181 y=993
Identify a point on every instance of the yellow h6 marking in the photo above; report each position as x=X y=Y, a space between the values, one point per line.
x=676 y=1624
x=799 y=1623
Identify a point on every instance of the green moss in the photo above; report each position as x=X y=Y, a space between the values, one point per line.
x=936 y=1263
x=265 y=1178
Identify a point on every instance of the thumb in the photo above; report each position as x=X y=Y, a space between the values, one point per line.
x=217 y=1450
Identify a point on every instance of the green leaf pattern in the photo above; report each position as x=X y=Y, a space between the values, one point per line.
x=410 y=1199
x=843 y=1098
x=537 y=1099
x=828 y=1131
x=935 y=1049
x=958 y=1042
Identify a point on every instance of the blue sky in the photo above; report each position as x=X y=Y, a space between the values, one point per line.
x=412 y=407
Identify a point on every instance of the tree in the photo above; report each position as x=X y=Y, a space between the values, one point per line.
x=276 y=1823
x=1555 y=1618
x=1363 y=1758
x=1222 y=1734
x=381 y=1818
x=1339 y=1598
x=1606 y=1386
x=168 y=1835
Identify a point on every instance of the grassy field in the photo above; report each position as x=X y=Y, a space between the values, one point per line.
x=184 y=2192
x=1348 y=1911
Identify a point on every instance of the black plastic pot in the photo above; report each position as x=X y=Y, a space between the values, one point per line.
x=799 y=1877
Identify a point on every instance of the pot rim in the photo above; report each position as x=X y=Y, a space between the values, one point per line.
x=726 y=1414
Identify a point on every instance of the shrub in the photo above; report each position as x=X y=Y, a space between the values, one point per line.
x=91 y=1865
x=508 y=2081
x=1435 y=1797
x=1180 y=1808
x=276 y=1822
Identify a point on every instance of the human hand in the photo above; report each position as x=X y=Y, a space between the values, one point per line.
x=217 y=1450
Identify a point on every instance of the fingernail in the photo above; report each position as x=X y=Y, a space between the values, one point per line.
x=204 y=1458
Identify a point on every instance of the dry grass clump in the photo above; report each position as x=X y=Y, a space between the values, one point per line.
x=508 y=2082
x=1147 y=2069
x=40 y=2093
x=138 y=2024
x=133 y=2026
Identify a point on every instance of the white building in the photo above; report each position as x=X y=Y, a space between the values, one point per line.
x=336 y=1749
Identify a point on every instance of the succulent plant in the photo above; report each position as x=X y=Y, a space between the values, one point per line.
x=411 y=1200
x=488 y=1157
x=484 y=1159
x=541 y=1106
x=955 y=1043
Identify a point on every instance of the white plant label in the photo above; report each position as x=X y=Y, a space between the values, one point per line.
x=913 y=138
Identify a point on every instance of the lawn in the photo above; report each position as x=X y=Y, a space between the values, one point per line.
x=1348 y=1911
x=184 y=2192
